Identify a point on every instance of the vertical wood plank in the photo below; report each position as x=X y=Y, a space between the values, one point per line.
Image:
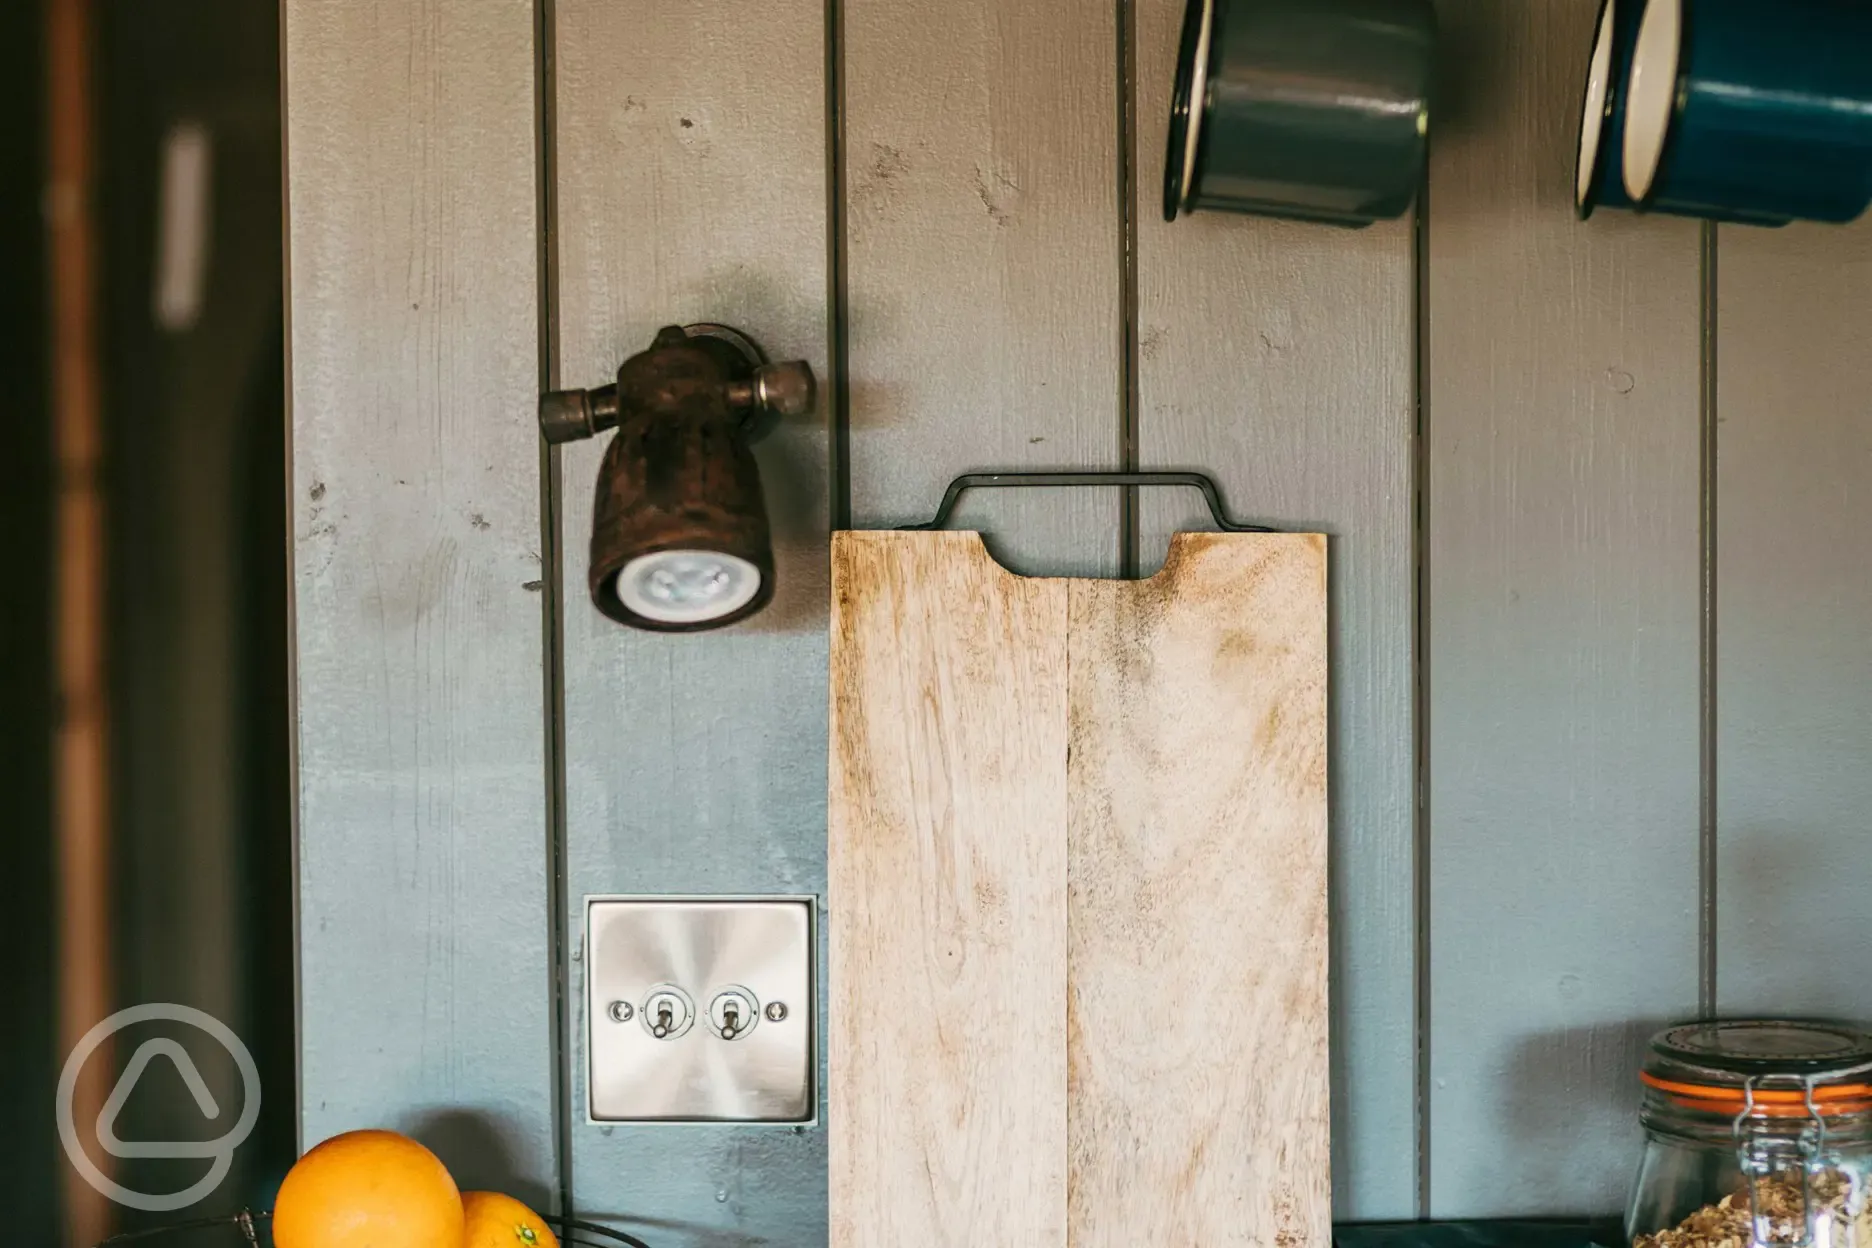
x=1278 y=358
x=1563 y=604
x=982 y=266
x=424 y=960
x=1198 y=1110
x=692 y=187
x=82 y=797
x=948 y=896
x=1794 y=594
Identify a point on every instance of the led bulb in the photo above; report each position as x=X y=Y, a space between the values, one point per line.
x=687 y=586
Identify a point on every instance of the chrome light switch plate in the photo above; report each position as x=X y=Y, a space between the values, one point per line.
x=700 y=1009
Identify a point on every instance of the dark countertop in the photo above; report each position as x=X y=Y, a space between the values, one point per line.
x=1600 y=1234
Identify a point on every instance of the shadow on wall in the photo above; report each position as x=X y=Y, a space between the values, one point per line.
x=479 y=1152
x=1560 y=1093
x=1782 y=950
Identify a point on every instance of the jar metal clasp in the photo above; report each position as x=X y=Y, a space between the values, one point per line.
x=1762 y=1157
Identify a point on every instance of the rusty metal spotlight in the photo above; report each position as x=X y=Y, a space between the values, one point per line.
x=680 y=540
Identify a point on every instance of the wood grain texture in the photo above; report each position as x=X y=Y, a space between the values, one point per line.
x=1794 y=594
x=1078 y=898
x=982 y=266
x=1277 y=357
x=947 y=897
x=424 y=963
x=1562 y=553
x=692 y=187
x=1199 y=1101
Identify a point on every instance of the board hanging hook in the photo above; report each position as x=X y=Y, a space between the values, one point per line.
x=1006 y=480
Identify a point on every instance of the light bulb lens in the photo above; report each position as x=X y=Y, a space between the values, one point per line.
x=687 y=586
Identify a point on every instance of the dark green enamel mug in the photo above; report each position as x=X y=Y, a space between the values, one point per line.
x=1313 y=109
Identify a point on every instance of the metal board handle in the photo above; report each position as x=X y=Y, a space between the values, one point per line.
x=1006 y=480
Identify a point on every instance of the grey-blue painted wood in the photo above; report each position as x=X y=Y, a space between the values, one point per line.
x=692 y=186
x=1277 y=357
x=1794 y=636
x=1556 y=642
x=1562 y=549
x=983 y=268
x=423 y=954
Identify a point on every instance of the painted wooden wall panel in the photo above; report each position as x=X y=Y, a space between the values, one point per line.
x=1562 y=611
x=983 y=268
x=986 y=315
x=1278 y=357
x=691 y=164
x=1794 y=635
x=424 y=963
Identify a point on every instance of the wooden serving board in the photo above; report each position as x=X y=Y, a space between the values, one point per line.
x=1077 y=902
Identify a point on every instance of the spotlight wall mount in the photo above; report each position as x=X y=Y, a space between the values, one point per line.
x=680 y=538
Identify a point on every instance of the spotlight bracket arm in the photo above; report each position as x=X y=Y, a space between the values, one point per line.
x=760 y=393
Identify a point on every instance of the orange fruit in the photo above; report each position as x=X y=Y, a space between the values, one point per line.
x=497 y=1221
x=368 y=1189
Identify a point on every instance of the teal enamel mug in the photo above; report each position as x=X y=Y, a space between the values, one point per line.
x=1751 y=110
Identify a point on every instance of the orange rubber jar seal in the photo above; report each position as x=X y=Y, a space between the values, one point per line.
x=1764 y=1068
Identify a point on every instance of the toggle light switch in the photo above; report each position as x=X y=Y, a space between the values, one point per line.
x=741 y=967
x=733 y=1013
x=668 y=1013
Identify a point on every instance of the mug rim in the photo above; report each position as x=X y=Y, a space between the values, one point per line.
x=1601 y=68
x=1673 y=103
x=1188 y=104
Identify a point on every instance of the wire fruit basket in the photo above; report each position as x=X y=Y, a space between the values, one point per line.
x=249 y=1228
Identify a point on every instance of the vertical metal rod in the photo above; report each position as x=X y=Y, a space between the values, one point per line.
x=1708 y=723
x=292 y=589
x=1128 y=508
x=82 y=779
x=838 y=356
x=1420 y=699
x=552 y=594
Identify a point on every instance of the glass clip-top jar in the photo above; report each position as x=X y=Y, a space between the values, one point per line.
x=1758 y=1134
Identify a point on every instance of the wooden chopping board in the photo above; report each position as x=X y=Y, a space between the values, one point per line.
x=1077 y=903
